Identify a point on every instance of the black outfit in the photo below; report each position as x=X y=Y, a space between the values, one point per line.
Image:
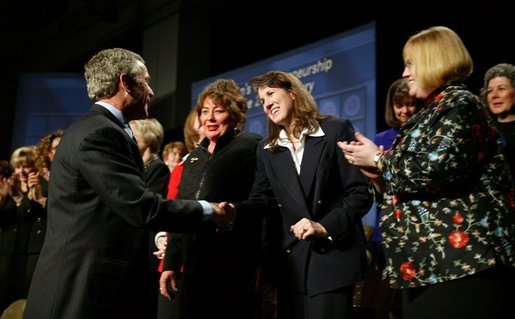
x=219 y=268
x=22 y=231
x=507 y=130
x=328 y=190
x=481 y=295
x=157 y=175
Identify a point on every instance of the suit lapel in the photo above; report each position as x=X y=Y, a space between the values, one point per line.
x=287 y=174
x=136 y=154
x=310 y=160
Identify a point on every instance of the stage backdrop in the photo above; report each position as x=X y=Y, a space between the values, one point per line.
x=340 y=72
x=47 y=102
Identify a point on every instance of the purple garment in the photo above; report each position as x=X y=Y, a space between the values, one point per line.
x=386 y=139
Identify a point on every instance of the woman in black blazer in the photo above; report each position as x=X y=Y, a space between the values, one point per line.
x=219 y=268
x=314 y=201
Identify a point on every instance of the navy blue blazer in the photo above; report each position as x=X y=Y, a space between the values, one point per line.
x=328 y=190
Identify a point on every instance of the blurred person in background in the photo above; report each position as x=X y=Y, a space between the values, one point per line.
x=149 y=134
x=22 y=224
x=499 y=95
x=45 y=155
x=173 y=152
x=169 y=307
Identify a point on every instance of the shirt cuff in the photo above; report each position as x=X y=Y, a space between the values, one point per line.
x=208 y=210
x=160 y=234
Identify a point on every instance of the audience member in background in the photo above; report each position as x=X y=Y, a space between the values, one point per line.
x=38 y=180
x=316 y=235
x=173 y=152
x=149 y=134
x=219 y=268
x=399 y=107
x=499 y=95
x=6 y=171
x=22 y=224
x=6 y=241
x=45 y=155
x=94 y=261
x=447 y=220
x=193 y=135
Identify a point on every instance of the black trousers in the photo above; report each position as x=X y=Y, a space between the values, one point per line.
x=336 y=304
x=488 y=294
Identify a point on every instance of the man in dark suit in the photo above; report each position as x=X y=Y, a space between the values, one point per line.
x=94 y=263
x=316 y=237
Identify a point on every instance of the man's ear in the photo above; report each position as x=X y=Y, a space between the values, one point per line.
x=125 y=82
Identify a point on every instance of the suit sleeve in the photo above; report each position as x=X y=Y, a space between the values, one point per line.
x=108 y=164
x=261 y=201
x=355 y=200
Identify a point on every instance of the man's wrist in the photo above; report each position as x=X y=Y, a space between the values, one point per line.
x=207 y=210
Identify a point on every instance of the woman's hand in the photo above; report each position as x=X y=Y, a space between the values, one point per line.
x=305 y=228
x=360 y=152
x=167 y=280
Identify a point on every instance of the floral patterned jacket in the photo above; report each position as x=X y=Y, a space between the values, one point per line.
x=446 y=207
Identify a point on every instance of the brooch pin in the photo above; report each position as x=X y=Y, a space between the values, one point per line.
x=193 y=159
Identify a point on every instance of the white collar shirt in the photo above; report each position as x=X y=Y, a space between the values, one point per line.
x=297 y=151
x=119 y=116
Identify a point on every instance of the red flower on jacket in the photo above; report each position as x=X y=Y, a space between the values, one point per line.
x=407 y=270
x=458 y=239
x=398 y=214
x=457 y=219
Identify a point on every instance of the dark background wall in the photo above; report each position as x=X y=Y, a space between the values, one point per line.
x=216 y=36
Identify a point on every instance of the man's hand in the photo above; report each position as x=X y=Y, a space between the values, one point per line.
x=223 y=216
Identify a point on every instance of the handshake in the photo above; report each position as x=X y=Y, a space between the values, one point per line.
x=223 y=216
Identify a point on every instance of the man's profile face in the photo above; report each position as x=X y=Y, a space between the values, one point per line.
x=141 y=93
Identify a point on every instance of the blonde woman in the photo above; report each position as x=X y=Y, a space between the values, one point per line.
x=447 y=219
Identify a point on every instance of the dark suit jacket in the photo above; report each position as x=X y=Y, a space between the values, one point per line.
x=328 y=190
x=94 y=259
x=219 y=268
x=22 y=229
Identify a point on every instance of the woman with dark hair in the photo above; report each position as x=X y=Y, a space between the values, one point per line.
x=313 y=200
x=45 y=153
x=219 y=268
x=399 y=107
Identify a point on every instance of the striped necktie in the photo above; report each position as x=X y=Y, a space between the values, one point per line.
x=128 y=129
